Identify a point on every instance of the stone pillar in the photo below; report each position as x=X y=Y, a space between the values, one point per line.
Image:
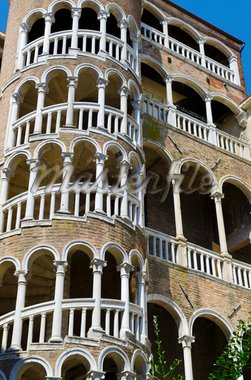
x=125 y=166
x=20 y=303
x=125 y=269
x=142 y=302
x=181 y=240
x=34 y=168
x=97 y=267
x=41 y=89
x=67 y=165
x=227 y=263
x=186 y=342
x=76 y=13
x=72 y=83
x=56 y=335
x=14 y=114
x=24 y=30
x=102 y=17
x=137 y=116
x=5 y=179
x=164 y=23
x=212 y=127
x=171 y=119
x=135 y=45
x=233 y=64
x=100 y=164
x=201 y=43
x=101 y=84
x=123 y=107
x=123 y=36
x=49 y=19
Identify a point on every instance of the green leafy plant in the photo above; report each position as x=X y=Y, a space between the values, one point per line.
x=158 y=367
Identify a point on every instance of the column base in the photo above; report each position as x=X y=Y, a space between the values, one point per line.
x=56 y=339
x=73 y=51
x=42 y=58
x=95 y=333
x=14 y=348
x=125 y=334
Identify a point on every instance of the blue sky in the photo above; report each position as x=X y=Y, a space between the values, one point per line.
x=230 y=15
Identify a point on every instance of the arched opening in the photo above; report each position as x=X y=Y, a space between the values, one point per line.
x=209 y=343
x=181 y=35
x=75 y=367
x=134 y=295
x=168 y=332
x=63 y=20
x=28 y=94
x=111 y=284
x=19 y=176
x=140 y=368
x=31 y=371
x=198 y=209
x=37 y=30
x=89 y=20
x=216 y=54
x=159 y=210
x=113 y=366
x=86 y=92
x=151 y=20
x=237 y=218
x=153 y=84
x=224 y=118
x=112 y=27
x=112 y=97
x=8 y=287
x=188 y=101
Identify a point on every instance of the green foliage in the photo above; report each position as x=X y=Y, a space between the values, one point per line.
x=235 y=359
x=158 y=366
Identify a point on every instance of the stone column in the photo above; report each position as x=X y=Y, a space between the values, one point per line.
x=123 y=107
x=100 y=164
x=125 y=269
x=233 y=64
x=102 y=17
x=164 y=23
x=123 y=36
x=97 y=267
x=49 y=19
x=137 y=116
x=20 y=303
x=24 y=30
x=125 y=166
x=135 y=45
x=201 y=43
x=5 y=179
x=41 y=89
x=181 y=240
x=142 y=302
x=76 y=13
x=56 y=335
x=14 y=114
x=171 y=119
x=227 y=263
x=34 y=168
x=186 y=342
x=67 y=166
x=101 y=84
x=72 y=83
x=212 y=127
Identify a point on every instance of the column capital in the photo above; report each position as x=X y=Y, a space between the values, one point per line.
x=123 y=24
x=33 y=163
x=201 y=40
x=97 y=265
x=233 y=58
x=127 y=375
x=101 y=158
x=125 y=164
x=67 y=157
x=208 y=98
x=217 y=196
x=72 y=80
x=25 y=27
x=21 y=274
x=164 y=20
x=186 y=340
x=6 y=173
x=103 y=15
x=95 y=375
x=168 y=79
x=124 y=91
x=76 y=12
x=135 y=36
x=49 y=17
x=17 y=97
x=41 y=87
x=102 y=83
x=125 y=269
x=242 y=119
x=60 y=265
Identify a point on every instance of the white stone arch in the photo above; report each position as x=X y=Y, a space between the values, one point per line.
x=84 y=139
x=113 y=143
x=237 y=182
x=158 y=148
x=194 y=84
x=2 y=376
x=30 y=256
x=24 y=81
x=116 y=10
x=136 y=354
x=133 y=27
x=82 y=244
x=194 y=33
x=72 y=352
x=8 y=163
x=56 y=3
x=31 y=15
x=110 y=71
x=41 y=146
x=219 y=45
x=46 y=74
x=11 y=260
x=112 y=245
x=88 y=66
x=113 y=350
x=227 y=102
x=215 y=317
x=136 y=253
x=133 y=87
x=94 y=4
x=156 y=65
x=173 y=309
x=34 y=359
x=154 y=10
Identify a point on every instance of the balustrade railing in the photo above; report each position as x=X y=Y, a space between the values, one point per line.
x=162 y=245
x=88 y=42
x=37 y=321
x=187 y=52
x=155 y=109
x=242 y=274
x=192 y=126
